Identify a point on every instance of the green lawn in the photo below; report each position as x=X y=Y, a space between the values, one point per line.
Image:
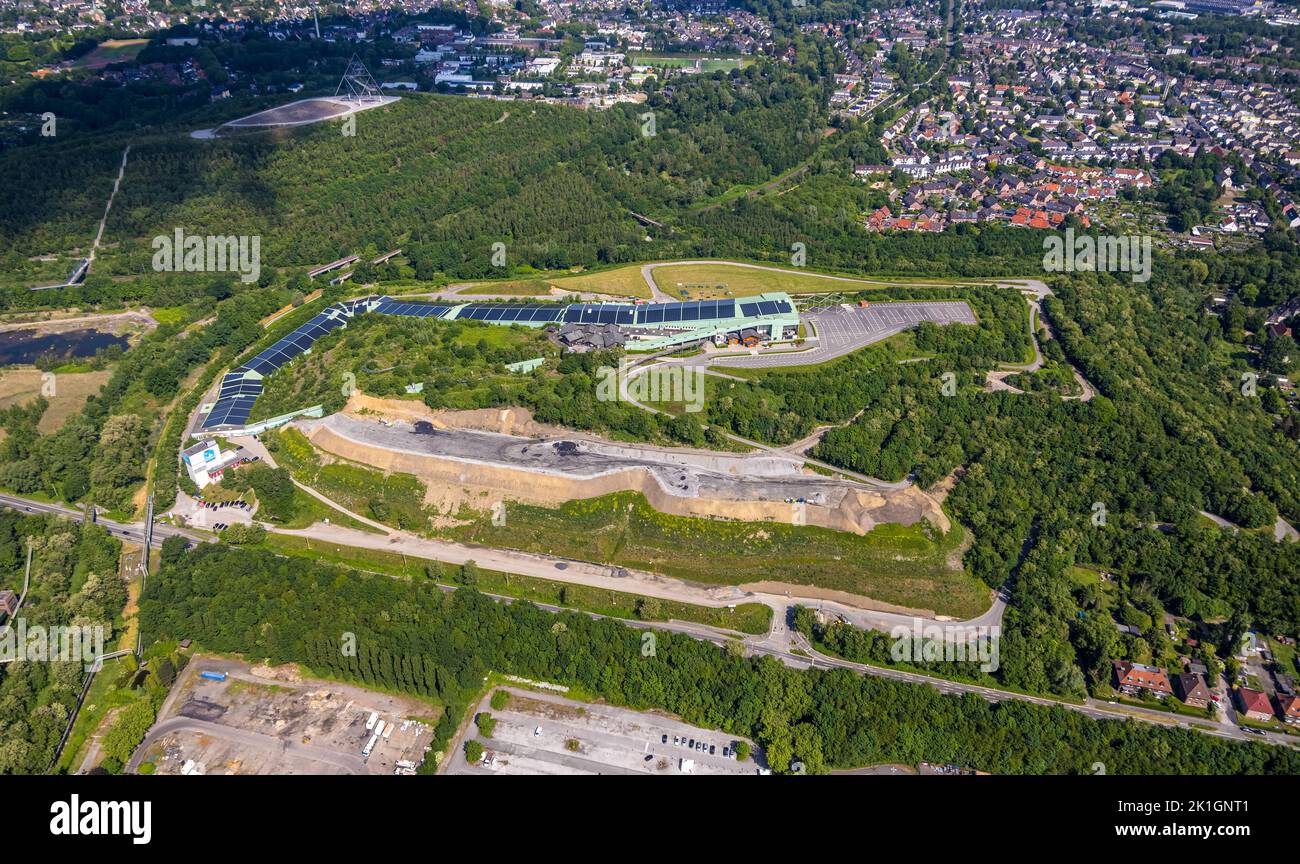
x=894 y=564
x=713 y=281
x=393 y=499
x=111 y=51
x=744 y=618
x=623 y=281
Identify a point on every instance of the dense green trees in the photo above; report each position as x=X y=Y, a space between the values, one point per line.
x=100 y=452
x=1170 y=434
x=74 y=582
x=424 y=641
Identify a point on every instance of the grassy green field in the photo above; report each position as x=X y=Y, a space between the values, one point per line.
x=623 y=281
x=394 y=499
x=308 y=510
x=906 y=566
x=751 y=618
x=696 y=281
x=712 y=281
x=111 y=51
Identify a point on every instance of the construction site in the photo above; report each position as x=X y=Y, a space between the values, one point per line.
x=228 y=717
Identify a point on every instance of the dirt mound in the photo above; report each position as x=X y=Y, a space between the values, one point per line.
x=287 y=672
x=452 y=482
x=507 y=421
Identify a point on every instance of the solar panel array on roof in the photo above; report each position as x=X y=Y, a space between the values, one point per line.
x=270 y=359
x=238 y=391
x=235 y=384
x=230 y=412
x=412 y=310
x=599 y=313
x=765 y=307
x=512 y=313
x=677 y=313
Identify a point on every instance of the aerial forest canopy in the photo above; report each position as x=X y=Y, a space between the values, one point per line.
x=446 y=177
x=417 y=638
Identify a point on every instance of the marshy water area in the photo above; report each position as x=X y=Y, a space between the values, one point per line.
x=26 y=346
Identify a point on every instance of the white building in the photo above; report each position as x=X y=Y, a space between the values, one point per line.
x=204 y=459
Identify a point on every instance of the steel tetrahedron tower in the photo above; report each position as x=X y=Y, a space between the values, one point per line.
x=357 y=84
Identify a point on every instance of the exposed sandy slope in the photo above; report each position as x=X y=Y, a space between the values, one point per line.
x=452 y=480
x=507 y=421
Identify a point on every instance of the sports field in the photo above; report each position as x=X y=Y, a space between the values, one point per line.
x=109 y=52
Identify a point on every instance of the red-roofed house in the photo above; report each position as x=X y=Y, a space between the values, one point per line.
x=1136 y=176
x=1289 y=708
x=1254 y=704
x=876 y=221
x=1131 y=678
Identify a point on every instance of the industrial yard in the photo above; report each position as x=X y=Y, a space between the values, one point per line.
x=227 y=717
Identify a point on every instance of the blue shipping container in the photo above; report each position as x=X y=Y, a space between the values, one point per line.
x=213 y=676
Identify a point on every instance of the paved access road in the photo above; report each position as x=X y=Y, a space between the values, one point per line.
x=780 y=642
x=838 y=330
x=133 y=531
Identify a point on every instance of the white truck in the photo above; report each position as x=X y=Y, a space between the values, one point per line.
x=370 y=724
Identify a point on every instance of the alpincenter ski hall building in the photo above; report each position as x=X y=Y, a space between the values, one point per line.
x=638 y=326
x=635 y=326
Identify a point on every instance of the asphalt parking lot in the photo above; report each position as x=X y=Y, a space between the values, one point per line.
x=843 y=330
x=540 y=733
